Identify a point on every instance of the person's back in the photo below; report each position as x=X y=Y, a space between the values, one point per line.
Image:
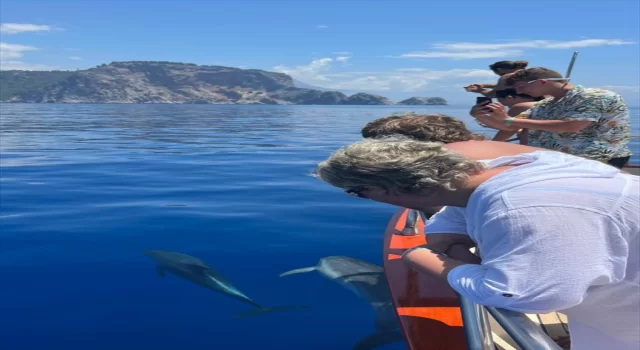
x=605 y=137
x=566 y=232
x=479 y=150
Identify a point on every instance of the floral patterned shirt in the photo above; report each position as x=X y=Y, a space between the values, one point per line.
x=606 y=138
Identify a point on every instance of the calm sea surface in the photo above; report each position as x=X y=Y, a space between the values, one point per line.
x=85 y=189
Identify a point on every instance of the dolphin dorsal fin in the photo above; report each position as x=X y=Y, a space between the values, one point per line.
x=302 y=270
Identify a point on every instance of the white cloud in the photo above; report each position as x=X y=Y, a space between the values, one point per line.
x=411 y=70
x=11 y=51
x=342 y=59
x=463 y=55
x=18 y=65
x=318 y=72
x=468 y=50
x=15 y=28
x=309 y=73
x=533 y=44
x=342 y=53
x=321 y=26
x=75 y=58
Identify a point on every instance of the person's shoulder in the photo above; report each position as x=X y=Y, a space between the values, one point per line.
x=597 y=92
x=485 y=149
x=539 y=105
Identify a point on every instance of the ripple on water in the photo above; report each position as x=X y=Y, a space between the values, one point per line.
x=85 y=189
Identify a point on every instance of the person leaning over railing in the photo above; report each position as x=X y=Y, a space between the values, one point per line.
x=556 y=232
x=421 y=127
x=434 y=128
x=587 y=122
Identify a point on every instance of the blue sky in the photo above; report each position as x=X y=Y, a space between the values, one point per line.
x=397 y=49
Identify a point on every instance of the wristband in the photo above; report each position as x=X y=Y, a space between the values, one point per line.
x=508 y=121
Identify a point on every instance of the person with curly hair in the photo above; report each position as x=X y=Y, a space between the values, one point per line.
x=423 y=127
x=500 y=68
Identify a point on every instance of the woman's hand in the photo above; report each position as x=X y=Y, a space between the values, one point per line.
x=496 y=111
x=430 y=262
x=474 y=88
x=478 y=112
x=493 y=115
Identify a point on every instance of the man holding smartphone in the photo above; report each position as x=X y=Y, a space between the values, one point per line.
x=587 y=122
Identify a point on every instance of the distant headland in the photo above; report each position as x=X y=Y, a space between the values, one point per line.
x=175 y=83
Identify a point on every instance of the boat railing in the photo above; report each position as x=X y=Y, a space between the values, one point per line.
x=524 y=332
x=476 y=325
x=411 y=223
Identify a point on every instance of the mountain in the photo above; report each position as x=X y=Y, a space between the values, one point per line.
x=366 y=99
x=423 y=101
x=308 y=96
x=16 y=82
x=169 y=82
x=160 y=82
x=300 y=84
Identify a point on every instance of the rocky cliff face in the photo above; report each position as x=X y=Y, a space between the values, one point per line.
x=366 y=99
x=309 y=97
x=161 y=82
x=170 y=82
x=423 y=101
x=16 y=82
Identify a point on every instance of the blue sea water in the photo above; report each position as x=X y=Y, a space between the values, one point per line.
x=85 y=189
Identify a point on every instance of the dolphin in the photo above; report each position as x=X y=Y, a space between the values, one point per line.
x=368 y=282
x=198 y=272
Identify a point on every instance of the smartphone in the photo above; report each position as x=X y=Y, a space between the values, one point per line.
x=483 y=100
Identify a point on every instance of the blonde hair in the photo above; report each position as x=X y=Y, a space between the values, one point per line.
x=422 y=127
x=397 y=164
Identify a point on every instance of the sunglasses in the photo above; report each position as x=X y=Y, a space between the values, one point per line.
x=533 y=81
x=506 y=93
x=356 y=193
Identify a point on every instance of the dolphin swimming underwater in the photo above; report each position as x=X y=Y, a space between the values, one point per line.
x=369 y=283
x=198 y=272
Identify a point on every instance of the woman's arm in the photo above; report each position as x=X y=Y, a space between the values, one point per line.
x=427 y=261
x=524 y=137
x=514 y=111
x=503 y=135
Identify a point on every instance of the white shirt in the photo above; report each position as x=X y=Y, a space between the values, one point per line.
x=556 y=233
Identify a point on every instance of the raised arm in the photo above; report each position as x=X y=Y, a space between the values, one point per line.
x=515 y=111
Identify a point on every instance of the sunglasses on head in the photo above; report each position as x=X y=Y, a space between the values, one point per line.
x=533 y=81
x=355 y=192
